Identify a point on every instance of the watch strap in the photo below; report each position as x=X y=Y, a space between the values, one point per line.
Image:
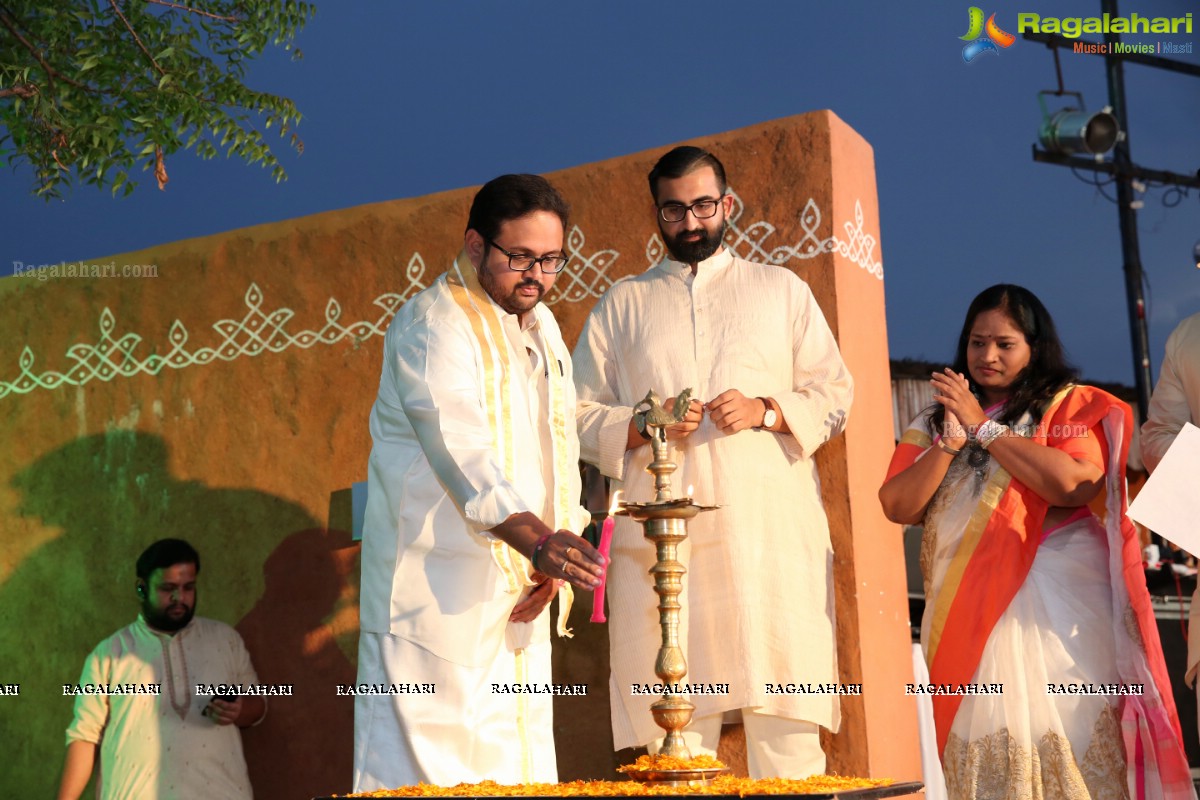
x=770 y=416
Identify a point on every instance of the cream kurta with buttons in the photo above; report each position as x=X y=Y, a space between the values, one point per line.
x=163 y=746
x=757 y=596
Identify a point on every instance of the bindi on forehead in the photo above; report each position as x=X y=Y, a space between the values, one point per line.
x=996 y=324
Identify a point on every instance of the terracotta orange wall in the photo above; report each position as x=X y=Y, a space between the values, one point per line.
x=226 y=401
x=876 y=546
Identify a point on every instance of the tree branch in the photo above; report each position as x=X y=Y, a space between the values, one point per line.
x=208 y=14
x=6 y=19
x=136 y=38
x=25 y=90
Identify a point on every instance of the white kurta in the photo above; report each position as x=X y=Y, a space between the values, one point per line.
x=758 y=594
x=147 y=749
x=1176 y=400
x=463 y=432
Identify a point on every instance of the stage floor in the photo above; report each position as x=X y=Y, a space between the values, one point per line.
x=895 y=790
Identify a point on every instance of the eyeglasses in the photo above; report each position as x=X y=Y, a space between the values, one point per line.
x=677 y=212
x=521 y=262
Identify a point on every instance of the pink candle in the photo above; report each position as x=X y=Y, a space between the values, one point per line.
x=606 y=532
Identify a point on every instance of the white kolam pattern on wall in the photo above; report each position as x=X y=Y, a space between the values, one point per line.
x=262 y=331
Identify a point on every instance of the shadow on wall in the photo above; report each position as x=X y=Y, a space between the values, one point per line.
x=298 y=634
x=265 y=562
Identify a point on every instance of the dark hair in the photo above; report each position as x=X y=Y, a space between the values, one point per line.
x=683 y=160
x=166 y=553
x=1048 y=369
x=512 y=197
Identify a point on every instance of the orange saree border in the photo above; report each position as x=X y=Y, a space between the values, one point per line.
x=997 y=562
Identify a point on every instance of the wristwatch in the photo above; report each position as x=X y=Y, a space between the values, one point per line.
x=769 y=418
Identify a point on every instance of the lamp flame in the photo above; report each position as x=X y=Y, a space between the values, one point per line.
x=616 y=503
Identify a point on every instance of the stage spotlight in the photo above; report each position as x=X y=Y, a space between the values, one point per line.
x=1073 y=131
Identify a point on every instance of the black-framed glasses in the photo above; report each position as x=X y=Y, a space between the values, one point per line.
x=523 y=262
x=701 y=209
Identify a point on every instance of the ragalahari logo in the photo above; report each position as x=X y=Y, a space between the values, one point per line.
x=977 y=42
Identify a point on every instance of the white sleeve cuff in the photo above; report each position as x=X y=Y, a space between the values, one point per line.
x=614 y=435
x=493 y=505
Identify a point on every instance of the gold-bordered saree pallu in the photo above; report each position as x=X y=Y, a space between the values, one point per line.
x=1037 y=617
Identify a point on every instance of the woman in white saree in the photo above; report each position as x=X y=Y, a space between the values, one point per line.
x=1037 y=620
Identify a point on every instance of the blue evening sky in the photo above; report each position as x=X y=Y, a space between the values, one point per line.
x=406 y=98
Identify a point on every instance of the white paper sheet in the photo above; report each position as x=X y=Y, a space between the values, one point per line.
x=1169 y=503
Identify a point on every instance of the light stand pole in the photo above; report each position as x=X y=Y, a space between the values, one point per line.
x=1124 y=171
x=1130 y=252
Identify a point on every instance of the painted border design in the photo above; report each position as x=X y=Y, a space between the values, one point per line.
x=265 y=331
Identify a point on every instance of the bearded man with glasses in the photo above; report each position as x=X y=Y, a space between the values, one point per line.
x=472 y=496
x=758 y=594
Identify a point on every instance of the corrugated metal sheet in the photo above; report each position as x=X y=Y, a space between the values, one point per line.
x=910 y=396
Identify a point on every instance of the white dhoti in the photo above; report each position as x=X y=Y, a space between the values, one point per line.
x=776 y=747
x=463 y=728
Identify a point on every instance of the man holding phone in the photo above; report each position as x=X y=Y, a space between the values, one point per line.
x=135 y=701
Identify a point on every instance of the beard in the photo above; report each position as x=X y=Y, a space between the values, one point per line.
x=513 y=303
x=165 y=621
x=695 y=250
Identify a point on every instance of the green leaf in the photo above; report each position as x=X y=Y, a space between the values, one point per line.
x=112 y=124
